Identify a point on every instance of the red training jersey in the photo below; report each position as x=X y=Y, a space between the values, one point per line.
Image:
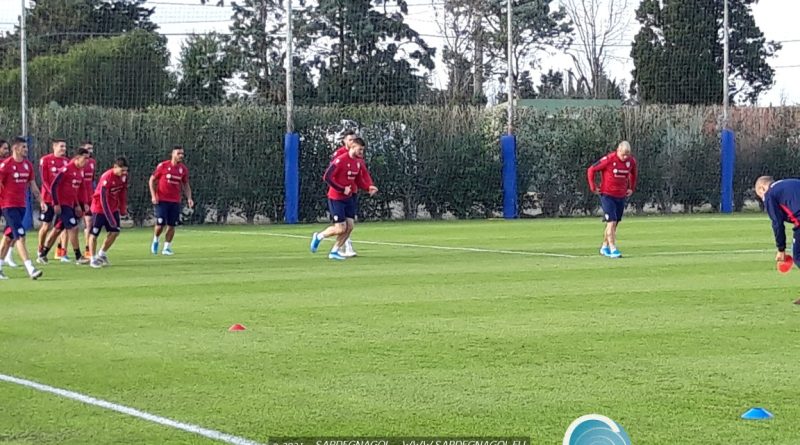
x=111 y=195
x=344 y=171
x=170 y=181
x=14 y=177
x=49 y=166
x=88 y=181
x=340 y=151
x=68 y=186
x=616 y=176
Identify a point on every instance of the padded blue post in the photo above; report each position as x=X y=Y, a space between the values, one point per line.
x=508 y=147
x=27 y=220
x=291 y=178
x=727 y=161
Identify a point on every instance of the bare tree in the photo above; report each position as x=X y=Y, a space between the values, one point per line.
x=599 y=24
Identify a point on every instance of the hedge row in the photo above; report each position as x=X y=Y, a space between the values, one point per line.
x=428 y=162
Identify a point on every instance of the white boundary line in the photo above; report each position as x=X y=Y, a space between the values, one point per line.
x=188 y=427
x=381 y=243
x=481 y=250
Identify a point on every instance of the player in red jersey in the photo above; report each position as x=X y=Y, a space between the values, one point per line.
x=49 y=166
x=345 y=175
x=17 y=176
x=89 y=172
x=170 y=178
x=346 y=250
x=67 y=190
x=618 y=182
x=109 y=202
x=5 y=152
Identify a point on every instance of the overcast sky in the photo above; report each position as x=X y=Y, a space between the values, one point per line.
x=776 y=18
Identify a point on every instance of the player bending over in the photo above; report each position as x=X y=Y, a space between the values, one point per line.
x=109 y=202
x=617 y=183
x=782 y=202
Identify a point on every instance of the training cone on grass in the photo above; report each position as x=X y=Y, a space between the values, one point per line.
x=757 y=414
x=786 y=265
x=237 y=327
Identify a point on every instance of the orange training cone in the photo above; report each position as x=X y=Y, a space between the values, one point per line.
x=236 y=327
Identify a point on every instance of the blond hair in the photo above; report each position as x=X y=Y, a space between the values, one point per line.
x=624 y=147
x=764 y=182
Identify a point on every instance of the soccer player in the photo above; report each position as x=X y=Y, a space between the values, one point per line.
x=618 y=182
x=67 y=191
x=166 y=183
x=109 y=202
x=49 y=166
x=348 y=136
x=5 y=152
x=86 y=199
x=345 y=175
x=782 y=203
x=16 y=177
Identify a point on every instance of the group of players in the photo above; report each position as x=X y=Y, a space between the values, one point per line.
x=69 y=195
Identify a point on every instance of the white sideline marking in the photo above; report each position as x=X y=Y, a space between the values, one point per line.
x=506 y=252
x=421 y=246
x=188 y=427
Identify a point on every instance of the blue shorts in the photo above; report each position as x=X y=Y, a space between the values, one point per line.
x=99 y=221
x=612 y=208
x=49 y=215
x=168 y=213
x=67 y=219
x=341 y=210
x=14 y=216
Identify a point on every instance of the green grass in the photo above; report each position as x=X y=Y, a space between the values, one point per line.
x=412 y=341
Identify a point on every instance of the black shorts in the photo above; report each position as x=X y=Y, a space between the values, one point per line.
x=612 y=208
x=99 y=221
x=49 y=214
x=15 y=229
x=67 y=218
x=168 y=213
x=341 y=210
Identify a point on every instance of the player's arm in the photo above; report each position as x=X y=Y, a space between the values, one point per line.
x=123 y=200
x=329 y=178
x=54 y=191
x=364 y=181
x=594 y=168
x=634 y=175
x=106 y=207
x=36 y=194
x=778 y=218
x=153 y=190
x=187 y=190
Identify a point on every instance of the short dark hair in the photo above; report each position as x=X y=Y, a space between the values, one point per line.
x=57 y=141
x=121 y=161
x=82 y=152
x=176 y=147
x=359 y=141
x=87 y=142
x=18 y=140
x=3 y=141
x=349 y=132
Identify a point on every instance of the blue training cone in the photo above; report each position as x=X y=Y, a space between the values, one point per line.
x=757 y=414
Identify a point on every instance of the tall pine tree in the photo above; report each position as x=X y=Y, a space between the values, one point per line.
x=678 y=52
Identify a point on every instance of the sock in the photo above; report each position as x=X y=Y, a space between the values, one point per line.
x=78 y=254
x=348 y=244
x=44 y=251
x=320 y=236
x=39 y=249
x=87 y=247
x=59 y=246
x=101 y=253
x=8 y=257
x=1 y=264
x=155 y=239
x=29 y=266
x=335 y=247
x=167 y=246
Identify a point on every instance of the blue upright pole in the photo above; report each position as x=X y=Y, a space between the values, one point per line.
x=291 y=177
x=27 y=220
x=727 y=160
x=508 y=146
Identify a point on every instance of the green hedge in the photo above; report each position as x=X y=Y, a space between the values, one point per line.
x=428 y=162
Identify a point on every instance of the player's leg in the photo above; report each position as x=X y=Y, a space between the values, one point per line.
x=173 y=214
x=347 y=250
x=61 y=249
x=608 y=210
x=796 y=247
x=98 y=222
x=161 y=219
x=46 y=218
x=619 y=208
x=87 y=228
x=337 y=211
x=69 y=221
x=113 y=232
x=54 y=234
x=14 y=218
x=8 y=254
x=5 y=248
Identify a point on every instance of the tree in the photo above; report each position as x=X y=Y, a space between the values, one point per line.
x=552 y=85
x=54 y=26
x=598 y=24
x=205 y=68
x=678 y=52
x=366 y=55
x=126 y=71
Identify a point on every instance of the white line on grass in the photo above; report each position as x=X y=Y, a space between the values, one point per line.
x=420 y=246
x=205 y=432
x=481 y=250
